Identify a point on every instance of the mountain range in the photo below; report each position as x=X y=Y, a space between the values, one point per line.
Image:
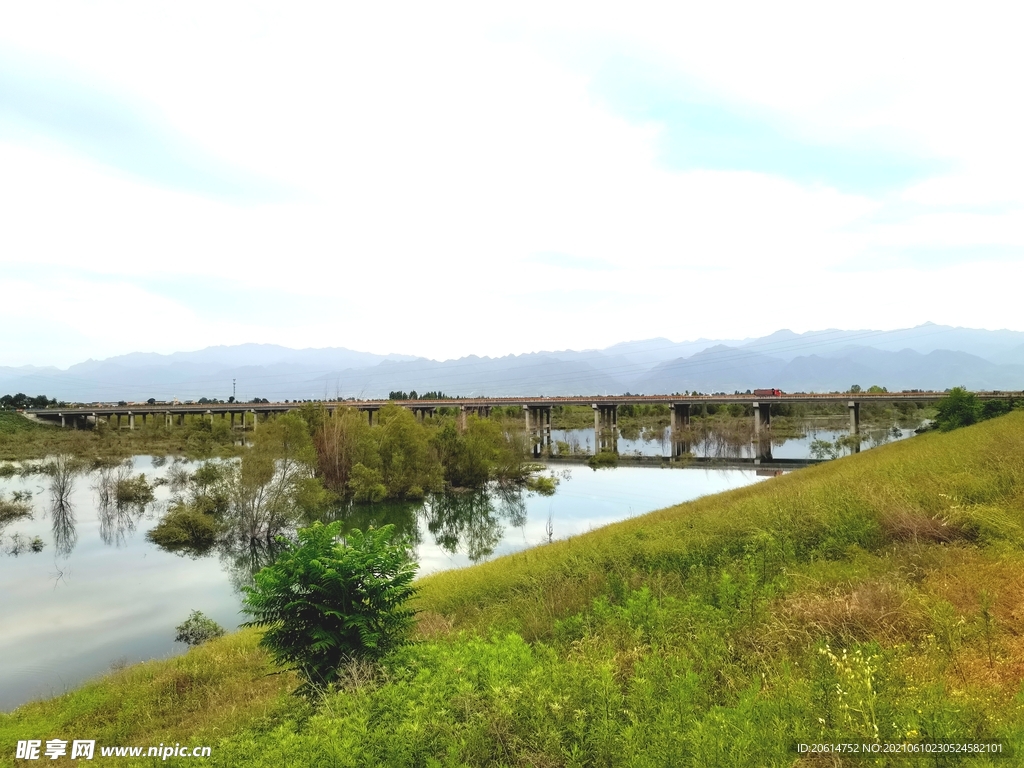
x=927 y=356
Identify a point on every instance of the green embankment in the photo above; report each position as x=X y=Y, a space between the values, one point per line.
x=23 y=438
x=877 y=597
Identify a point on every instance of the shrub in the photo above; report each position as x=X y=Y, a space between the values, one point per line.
x=197 y=629
x=542 y=484
x=367 y=484
x=133 y=491
x=325 y=602
x=603 y=459
x=959 y=409
x=184 y=528
x=13 y=510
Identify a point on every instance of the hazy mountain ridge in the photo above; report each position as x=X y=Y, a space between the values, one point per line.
x=926 y=357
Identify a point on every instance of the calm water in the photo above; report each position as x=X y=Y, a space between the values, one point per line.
x=99 y=593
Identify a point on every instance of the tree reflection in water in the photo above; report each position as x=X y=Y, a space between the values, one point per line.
x=62 y=470
x=117 y=520
x=474 y=519
x=243 y=556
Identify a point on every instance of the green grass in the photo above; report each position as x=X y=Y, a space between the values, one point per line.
x=13 y=423
x=874 y=597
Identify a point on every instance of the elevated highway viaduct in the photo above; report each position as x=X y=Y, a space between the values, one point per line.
x=536 y=410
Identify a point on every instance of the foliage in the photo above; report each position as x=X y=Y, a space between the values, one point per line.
x=962 y=408
x=197 y=629
x=21 y=400
x=992 y=408
x=413 y=395
x=824 y=449
x=324 y=602
x=542 y=484
x=14 y=509
x=959 y=409
x=341 y=441
x=133 y=490
x=367 y=485
x=203 y=437
x=407 y=458
x=603 y=460
x=273 y=485
x=185 y=528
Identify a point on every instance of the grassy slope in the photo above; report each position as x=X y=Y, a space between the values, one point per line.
x=875 y=595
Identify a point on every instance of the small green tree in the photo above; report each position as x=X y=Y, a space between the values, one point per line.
x=325 y=602
x=959 y=409
x=197 y=629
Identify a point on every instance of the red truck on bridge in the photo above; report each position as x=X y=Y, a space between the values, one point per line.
x=767 y=392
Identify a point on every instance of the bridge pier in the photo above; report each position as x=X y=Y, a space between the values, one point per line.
x=255 y=421
x=680 y=416
x=680 y=448
x=131 y=420
x=606 y=423
x=168 y=420
x=369 y=416
x=854 y=407
x=144 y=419
x=762 y=451
x=762 y=417
x=537 y=419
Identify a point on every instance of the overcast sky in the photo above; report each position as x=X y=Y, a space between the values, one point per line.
x=441 y=179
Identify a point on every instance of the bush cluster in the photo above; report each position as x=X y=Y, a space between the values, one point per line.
x=399 y=457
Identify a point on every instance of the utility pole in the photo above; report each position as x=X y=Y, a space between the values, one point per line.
x=233 y=390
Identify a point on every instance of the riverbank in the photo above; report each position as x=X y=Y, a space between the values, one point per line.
x=25 y=439
x=875 y=597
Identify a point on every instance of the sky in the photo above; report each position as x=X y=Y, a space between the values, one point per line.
x=481 y=178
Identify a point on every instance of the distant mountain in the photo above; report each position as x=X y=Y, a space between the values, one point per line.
x=925 y=338
x=718 y=369
x=926 y=357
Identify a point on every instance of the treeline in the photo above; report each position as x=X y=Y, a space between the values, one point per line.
x=962 y=408
x=21 y=400
x=413 y=395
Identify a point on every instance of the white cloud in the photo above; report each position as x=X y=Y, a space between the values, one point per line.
x=436 y=151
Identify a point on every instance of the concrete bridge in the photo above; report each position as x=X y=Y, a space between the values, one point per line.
x=536 y=410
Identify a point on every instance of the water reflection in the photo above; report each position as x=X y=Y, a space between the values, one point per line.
x=473 y=520
x=242 y=557
x=120 y=502
x=726 y=440
x=65 y=533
